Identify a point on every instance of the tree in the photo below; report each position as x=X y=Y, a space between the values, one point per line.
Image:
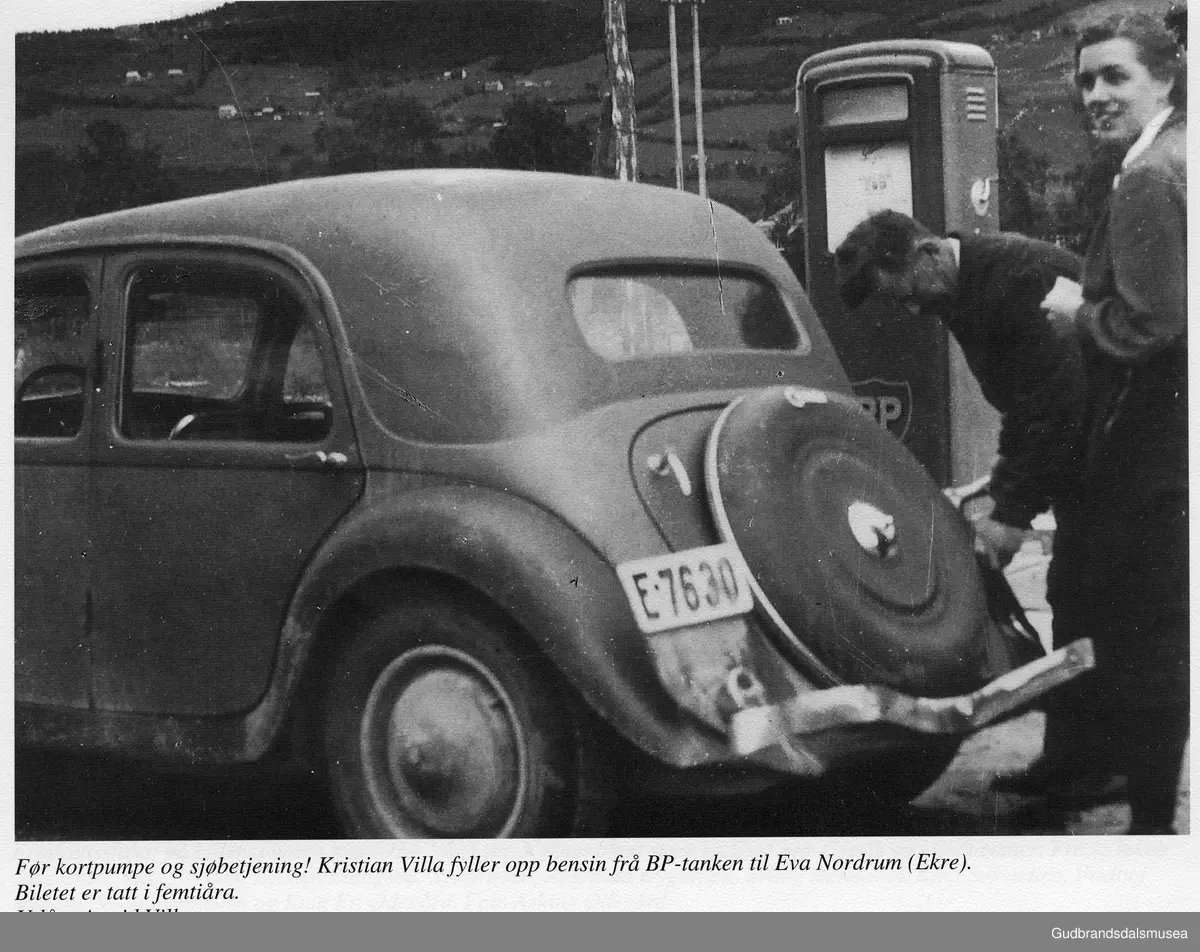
x=115 y=174
x=536 y=136
x=1022 y=183
x=34 y=99
x=783 y=205
x=783 y=185
x=386 y=132
x=1086 y=194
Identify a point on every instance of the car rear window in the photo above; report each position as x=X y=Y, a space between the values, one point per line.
x=645 y=313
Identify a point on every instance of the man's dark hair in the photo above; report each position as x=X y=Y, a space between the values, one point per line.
x=884 y=241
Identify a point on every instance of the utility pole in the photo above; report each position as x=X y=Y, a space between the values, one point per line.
x=671 y=4
x=699 y=108
x=620 y=77
x=700 y=159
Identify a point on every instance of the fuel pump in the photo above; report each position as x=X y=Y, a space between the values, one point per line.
x=907 y=125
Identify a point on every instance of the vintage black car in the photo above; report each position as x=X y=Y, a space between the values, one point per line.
x=494 y=494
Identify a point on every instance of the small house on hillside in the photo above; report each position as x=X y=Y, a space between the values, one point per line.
x=175 y=74
x=454 y=74
x=493 y=86
x=227 y=112
x=132 y=76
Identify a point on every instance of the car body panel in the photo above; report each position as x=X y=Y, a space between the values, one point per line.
x=52 y=545
x=50 y=641
x=204 y=540
x=408 y=528
x=667 y=462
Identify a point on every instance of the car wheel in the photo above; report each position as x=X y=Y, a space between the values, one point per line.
x=859 y=563
x=439 y=725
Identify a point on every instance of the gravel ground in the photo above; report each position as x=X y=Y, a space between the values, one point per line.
x=963 y=790
x=1014 y=745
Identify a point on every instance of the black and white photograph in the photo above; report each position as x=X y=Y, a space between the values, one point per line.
x=724 y=430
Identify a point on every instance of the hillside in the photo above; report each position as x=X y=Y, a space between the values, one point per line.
x=520 y=35
x=302 y=62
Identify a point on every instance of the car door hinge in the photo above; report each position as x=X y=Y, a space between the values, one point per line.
x=98 y=369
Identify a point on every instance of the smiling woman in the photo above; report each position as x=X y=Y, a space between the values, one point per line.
x=1129 y=585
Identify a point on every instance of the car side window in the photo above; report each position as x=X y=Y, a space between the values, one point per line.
x=50 y=321
x=304 y=381
x=220 y=353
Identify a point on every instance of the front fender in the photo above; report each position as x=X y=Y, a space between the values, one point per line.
x=530 y=564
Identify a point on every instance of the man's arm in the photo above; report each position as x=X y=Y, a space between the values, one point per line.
x=1040 y=426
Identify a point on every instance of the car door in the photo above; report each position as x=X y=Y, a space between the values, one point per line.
x=55 y=309
x=227 y=454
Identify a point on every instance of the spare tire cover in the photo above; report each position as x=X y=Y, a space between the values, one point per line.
x=856 y=553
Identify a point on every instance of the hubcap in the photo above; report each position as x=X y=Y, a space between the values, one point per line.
x=442 y=749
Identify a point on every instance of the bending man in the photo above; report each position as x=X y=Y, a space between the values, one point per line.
x=988 y=291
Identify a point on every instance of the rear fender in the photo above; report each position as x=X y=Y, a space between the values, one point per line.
x=528 y=563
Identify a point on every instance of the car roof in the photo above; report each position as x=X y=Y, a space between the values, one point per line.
x=444 y=273
x=479 y=211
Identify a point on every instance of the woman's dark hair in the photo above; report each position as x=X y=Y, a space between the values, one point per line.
x=1176 y=21
x=1157 y=46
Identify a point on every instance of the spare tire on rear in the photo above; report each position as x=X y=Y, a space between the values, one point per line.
x=858 y=558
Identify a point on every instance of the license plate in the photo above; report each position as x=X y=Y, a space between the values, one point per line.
x=687 y=588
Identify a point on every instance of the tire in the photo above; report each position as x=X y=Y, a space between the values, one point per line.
x=440 y=723
x=859 y=563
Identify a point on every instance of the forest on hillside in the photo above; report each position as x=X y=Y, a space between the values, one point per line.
x=523 y=35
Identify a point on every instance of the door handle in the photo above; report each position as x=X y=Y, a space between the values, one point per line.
x=334 y=460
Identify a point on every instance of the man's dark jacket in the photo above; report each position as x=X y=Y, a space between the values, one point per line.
x=1027 y=370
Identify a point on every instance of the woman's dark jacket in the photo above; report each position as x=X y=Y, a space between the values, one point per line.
x=1132 y=549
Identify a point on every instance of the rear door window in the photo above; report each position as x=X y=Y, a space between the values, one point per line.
x=652 y=312
x=220 y=353
x=190 y=340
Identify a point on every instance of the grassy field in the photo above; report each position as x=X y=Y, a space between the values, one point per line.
x=252 y=86
x=743 y=123
x=186 y=137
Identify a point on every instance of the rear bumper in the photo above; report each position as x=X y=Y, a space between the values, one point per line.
x=756 y=727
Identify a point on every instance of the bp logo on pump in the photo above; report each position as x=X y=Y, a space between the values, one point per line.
x=887 y=402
